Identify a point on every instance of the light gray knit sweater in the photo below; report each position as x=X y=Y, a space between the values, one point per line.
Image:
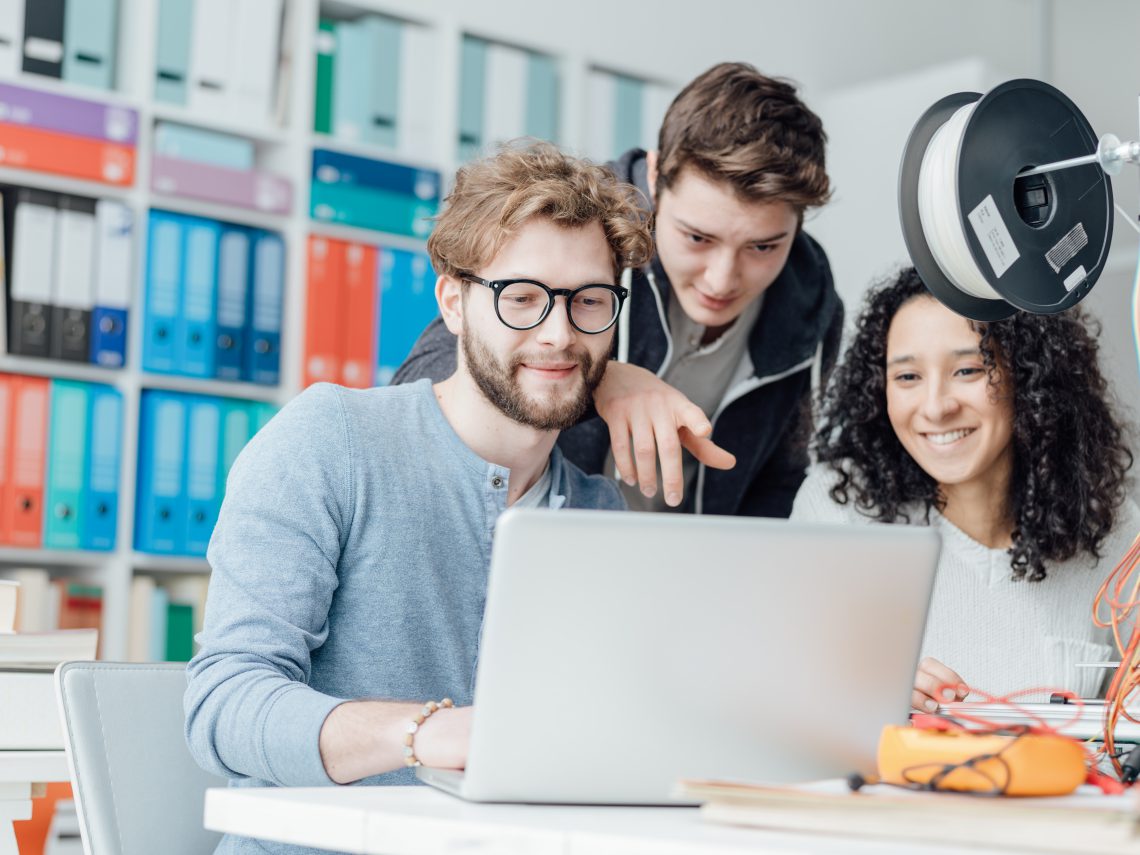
x=1001 y=635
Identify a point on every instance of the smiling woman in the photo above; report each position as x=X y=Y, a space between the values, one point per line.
x=1003 y=436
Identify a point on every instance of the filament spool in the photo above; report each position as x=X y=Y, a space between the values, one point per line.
x=985 y=242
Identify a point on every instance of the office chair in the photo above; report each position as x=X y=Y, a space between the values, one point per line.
x=137 y=789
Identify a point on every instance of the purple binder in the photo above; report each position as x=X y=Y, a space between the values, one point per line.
x=258 y=191
x=51 y=112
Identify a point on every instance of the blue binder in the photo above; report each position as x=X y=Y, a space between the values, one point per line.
x=472 y=83
x=259 y=414
x=202 y=495
x=263 y=355
x=542 y=97
x=331 y=167
x=163 y=290
x=104 y=433
x=233 y=294
x=115 y=224
x=66 y=465
x=237 y=428
x=383 y=38
x=352 y=83
x=406 y=305
x=196 y=328
x=160 y=504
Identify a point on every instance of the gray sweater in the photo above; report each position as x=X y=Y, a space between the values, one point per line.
x=350 y=561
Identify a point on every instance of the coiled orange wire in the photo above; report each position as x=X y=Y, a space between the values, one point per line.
x=1118 y=595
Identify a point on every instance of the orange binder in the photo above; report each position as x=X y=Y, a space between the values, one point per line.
x=324 y=311
x=5 y=454
x=66 y=154
x=359 y=315
x=27 y=449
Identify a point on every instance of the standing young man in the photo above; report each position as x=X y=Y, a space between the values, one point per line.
x=350 y=559
x=736 y=312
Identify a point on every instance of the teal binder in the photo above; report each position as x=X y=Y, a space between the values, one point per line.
x=90 y=28
x=66 y=465
x=237 y=421
x=260 y=413
x=383 y=36
x=542 y=97
x=472 y=83
x=367 y=208
x=172 y=53
x=352 y=83
x=326 y=72
x=627 y=113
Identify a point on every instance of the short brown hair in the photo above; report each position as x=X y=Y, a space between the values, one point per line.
x=494 y=196
x=736 y=125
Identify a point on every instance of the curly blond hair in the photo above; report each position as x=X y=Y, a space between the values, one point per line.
x=496 y=195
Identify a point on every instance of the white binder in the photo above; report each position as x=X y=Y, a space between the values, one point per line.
x=257 y=39
x=11 y=37
x=212 y=48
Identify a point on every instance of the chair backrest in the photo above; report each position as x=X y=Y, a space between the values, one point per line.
x=137 y=789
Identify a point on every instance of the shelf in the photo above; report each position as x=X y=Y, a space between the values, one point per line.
x=57 y=86
x=373 y=152
x=265 y=134
x=207 y=386
x=368 y=236
x=147 y=563
x=214 y=211
x=37 y=367
x=63 y=183
x=11 y=556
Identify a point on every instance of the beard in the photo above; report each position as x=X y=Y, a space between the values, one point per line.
x=499 y=384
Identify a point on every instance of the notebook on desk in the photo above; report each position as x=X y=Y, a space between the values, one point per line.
x=622 y=652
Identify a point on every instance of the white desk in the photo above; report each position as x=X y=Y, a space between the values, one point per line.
x=418 y=820
x=20 y=771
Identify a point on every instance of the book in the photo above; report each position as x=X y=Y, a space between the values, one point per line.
x=29 y=719
x=1086 y=821
x=45 y=650
x=35 y=593
x=9 y=599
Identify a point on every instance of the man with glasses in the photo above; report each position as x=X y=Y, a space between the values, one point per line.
x=351 y=555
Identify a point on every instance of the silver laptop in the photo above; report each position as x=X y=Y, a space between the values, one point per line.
x=622 y=652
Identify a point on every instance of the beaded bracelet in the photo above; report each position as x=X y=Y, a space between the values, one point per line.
x=410 y=758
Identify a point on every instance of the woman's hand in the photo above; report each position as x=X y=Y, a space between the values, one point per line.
x=649 y=419
x=935 y=684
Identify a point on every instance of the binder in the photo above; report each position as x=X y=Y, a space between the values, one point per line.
x=233 y=291
x=104 y=433
x=257 y=32
x=64 y=500
x=267 y=293
x=90 y=30
x=504 y=106
x=383 y=37
x=324 y=309
x=360 y=289
x=212 y=52
x=163 y=290
x=139 y=626
x=43 y=37
x=326 y=72
x=352 y=83
x=182 y=142
x=332 y=167
x=11 y=37
x=367 y=208
x=472 y=92
x=541 y=97
x=195 y=327
x=172 y=54
x=601 y=122
x=179 y=632
x=32 y=264
x=114 y=230
x=655 y=102
x=203 y=497
x=627 y=113
x=73 y=292
x=407 y=304
x=160 y=506
x=50 y=111
x=66 y=154
x=28 y=432
x=417 y=76
x=253 y=189
x=159 y=607
x=260 y=415
x=236 y=431
x=6 y=406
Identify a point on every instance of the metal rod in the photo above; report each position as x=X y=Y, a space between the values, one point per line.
x=1060 y=164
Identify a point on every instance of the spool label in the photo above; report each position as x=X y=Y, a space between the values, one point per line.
x=994 y=237
x=1075 y=278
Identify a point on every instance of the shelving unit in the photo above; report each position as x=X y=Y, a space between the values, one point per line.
x=287 y=150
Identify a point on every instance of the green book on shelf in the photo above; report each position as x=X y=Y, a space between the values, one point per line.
x=179 y=632
x=368 y=208
x=326 y=68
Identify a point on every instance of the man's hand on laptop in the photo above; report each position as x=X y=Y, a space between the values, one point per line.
x=649 y=419
x=935 y=684
x=443 y=739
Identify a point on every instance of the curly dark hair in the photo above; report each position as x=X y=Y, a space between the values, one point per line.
x=1069 y=451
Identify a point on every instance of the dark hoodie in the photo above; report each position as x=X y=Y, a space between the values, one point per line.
x=763 y=420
